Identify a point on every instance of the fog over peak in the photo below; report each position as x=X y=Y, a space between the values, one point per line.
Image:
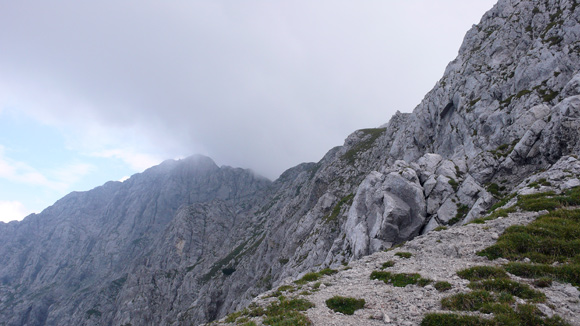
x=257 y=84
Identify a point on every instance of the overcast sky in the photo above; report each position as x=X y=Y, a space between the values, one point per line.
x=92 y=91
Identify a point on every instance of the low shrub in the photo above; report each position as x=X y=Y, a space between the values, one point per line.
x=404 y=254
x=308 y=277
x=543 y=282
x=422 y=282
x=328 y=271
x=442 y=286
x=345 y=305
x=401 y=279
x=315 y=276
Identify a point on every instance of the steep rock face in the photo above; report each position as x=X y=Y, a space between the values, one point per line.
x=504 y=109
x=182 y=244
x=77 y=252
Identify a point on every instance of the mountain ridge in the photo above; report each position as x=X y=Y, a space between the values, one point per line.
x=203 y=243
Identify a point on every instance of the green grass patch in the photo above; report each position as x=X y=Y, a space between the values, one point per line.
x=549 y=200
x=472 y=301
x=438 y=319
x=242 y=321
x=248 y=323
x=442 y=286
x=494 y=189
x=462 y=210
x=308 y=277
x=388 y=264
x=399 y=279
x=327 y=271
x=404 y=254
x=477 y=273
x=502 y=202
x=338 y=207
x=422 y=282
x=496 y=308
x=504 y=316
x=233 y=316
x=287 y=312
x=535 y=204
x=288 y=318
x=371 y=136
x=315 y=276
x=454 y=184
x=473 y=102
x=283 y=288
x=523 y=92
x=255 y=311
x=502 y=212
x=568 y=273
x=440 y=228
x=517 y=289
x=550 y=238
x=345 y=305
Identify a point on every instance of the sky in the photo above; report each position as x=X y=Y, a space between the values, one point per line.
x=92 y=91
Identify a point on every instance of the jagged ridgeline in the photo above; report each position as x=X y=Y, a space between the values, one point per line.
x=187 y=241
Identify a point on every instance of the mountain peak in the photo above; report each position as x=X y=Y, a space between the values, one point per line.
x=187 y=242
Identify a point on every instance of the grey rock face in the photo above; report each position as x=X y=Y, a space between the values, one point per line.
x=187 y=242
x=387 y=209
x=74 y=257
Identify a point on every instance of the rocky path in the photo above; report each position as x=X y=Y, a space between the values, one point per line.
x=437 y=255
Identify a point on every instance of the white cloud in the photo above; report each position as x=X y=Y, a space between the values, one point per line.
x=12 y=210
x=136 y=161
x=60 y=179
x=263 y=84
x=71 y=173
x=21 y=172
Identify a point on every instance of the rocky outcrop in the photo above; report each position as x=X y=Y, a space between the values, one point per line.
x=436 y=256
x=186 y=242
x=387 y=209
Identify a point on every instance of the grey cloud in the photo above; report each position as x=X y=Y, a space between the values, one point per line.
x=258 y=84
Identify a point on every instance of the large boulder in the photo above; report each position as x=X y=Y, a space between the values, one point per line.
x=387 y=209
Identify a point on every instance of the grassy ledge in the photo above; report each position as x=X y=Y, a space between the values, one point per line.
x=285 y=312
x=547 y=249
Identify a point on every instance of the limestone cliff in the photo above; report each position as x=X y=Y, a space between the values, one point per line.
x=187 y=242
